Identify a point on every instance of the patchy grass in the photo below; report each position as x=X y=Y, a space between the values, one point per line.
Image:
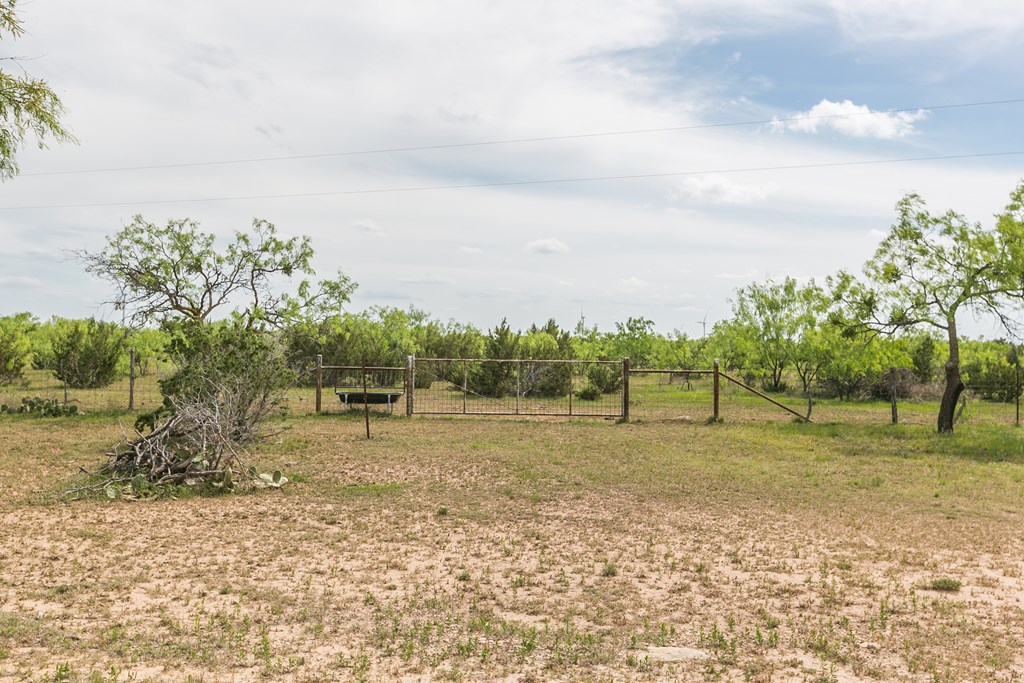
x=482 y=549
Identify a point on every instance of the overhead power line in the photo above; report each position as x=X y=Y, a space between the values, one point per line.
x=510 y=183
x=513 y=141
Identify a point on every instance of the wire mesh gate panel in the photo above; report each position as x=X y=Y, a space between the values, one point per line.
x=447 y=386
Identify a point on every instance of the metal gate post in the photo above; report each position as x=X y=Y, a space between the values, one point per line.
x=625 y=389
x=892 y=395
x=715 y=385
x=572 y=366
x=1017 y=386
x=319 y=379
x=410 y=385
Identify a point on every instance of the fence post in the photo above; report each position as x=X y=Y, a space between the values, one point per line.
x=319 y=379
x=715 y=388
x=410 y=385
x=366 y=401
x=625 y=389
x=131 y=379
x=1017 y=385
x=571 y=367
x=892 y=395
x=465 y=384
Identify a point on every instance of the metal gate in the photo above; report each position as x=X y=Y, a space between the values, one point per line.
x=474 y=386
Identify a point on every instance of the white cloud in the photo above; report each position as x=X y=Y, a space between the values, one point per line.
x=551 y=245
x=718 y=189
x=978 y=23
x=538 y=69
x=367 y=226
x=855 y=120
x=20 y=281
x=633 y=282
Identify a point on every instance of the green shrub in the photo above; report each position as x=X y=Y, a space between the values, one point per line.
x=989 y=369
x=15 y=347
x=86 y=353
x=605 y=377
x=588 y=393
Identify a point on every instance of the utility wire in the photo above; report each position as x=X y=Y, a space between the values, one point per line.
x=511 y=183
x=458 y=145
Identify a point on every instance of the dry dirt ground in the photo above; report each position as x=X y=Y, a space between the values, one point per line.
x=474 y=549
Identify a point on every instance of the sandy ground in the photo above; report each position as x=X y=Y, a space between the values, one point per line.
x=447 y=550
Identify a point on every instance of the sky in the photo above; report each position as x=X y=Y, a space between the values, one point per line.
x=697 y=145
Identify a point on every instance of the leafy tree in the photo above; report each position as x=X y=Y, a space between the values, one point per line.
x=27 y=104
x=923 y=356
x=990 y=368
x=151 y=346
x=176 y=272
x=435 y=339
x=546 y=343
x=855 y=361
x=930 y=268
x=635 y=339
x=177 y=275
x=775 y=315
x=497 y=379
x=679 y=351
x=15 y=346
x=223 y=308
x=731 y=343
x=86 y=353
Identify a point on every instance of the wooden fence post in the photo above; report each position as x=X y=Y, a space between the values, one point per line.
x=319 y=379
x=625 y=389
x=131 y=379
x=715 y=388
x=410 y=385
x=892 y=395
x=1017 y=385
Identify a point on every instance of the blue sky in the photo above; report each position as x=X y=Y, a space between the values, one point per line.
x=151 y=84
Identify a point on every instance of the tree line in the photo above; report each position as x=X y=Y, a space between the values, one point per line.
x=228 y=313
x=780 y=338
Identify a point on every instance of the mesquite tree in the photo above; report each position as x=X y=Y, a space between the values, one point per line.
x=931 y=268
x=27 y=104
x=220 y=306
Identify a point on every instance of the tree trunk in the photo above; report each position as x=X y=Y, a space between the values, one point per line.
x=954 y=384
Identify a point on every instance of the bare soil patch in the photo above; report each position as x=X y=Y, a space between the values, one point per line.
x=512 y=550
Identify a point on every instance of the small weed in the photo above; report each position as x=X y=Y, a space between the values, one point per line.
x=61 y=672
x=945 y=584
x=609 y=569
x=528 y=643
